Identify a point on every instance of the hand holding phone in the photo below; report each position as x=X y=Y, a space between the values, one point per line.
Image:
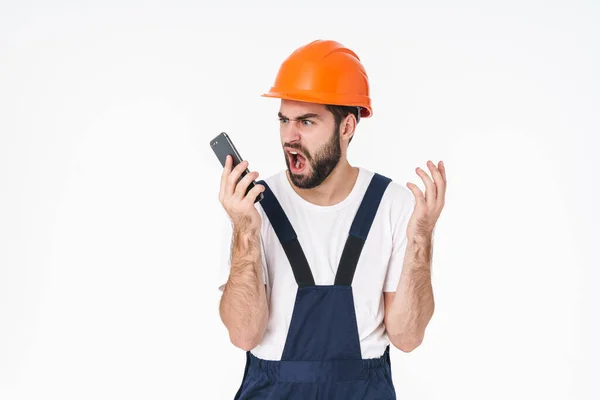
x=239 y=190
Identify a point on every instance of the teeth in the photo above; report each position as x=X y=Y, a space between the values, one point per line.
x=297 y=164
x=294 y=152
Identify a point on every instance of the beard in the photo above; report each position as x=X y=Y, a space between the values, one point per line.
x=321 y=164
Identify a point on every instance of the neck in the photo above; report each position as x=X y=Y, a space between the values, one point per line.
x=332 y=190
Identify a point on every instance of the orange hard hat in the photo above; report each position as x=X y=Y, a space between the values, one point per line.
x=324 y=72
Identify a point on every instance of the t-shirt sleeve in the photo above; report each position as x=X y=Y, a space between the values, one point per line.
x=402 y=210
x=225 y=255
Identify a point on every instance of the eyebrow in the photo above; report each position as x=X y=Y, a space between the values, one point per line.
x=303 y=116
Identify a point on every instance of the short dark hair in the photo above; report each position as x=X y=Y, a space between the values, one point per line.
x=341 y=112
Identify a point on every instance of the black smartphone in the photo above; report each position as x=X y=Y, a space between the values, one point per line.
x=223 y=146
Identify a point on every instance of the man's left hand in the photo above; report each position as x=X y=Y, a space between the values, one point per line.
x=428 y=206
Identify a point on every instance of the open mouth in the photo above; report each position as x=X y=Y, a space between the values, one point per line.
x=297 y=161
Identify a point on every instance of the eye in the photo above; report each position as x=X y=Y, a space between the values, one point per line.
x=283 y=120
x=307 y=122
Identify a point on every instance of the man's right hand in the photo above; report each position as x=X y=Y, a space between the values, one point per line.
x=240 y=207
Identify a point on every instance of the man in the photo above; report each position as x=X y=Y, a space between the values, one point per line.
x=334 y=263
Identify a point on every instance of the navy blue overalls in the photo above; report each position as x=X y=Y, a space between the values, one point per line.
x=322 y=357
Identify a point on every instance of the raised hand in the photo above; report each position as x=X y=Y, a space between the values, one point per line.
x=232 y=195
x=428 y=206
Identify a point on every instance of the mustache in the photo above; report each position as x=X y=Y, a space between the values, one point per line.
x=294 y=146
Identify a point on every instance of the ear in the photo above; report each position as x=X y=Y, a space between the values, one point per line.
x=347 y=127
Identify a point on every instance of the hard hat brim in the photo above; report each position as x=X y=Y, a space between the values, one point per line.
x=325 y=98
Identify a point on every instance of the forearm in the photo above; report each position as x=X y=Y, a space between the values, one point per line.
x=413 y=304
x=243 y=306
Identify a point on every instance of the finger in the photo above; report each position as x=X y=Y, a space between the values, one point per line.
x=254 y=192
x=442 y=169
x=435 y=173
x=233 y=177
x=242 y=186
x=430 y=192
x=224 y=175
x=419 y=197
x=439 y=182
x=442 y=191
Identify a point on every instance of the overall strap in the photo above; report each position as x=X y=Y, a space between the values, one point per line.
x=287 y=237
x=360 y=229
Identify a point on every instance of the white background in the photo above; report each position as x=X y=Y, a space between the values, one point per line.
x=109 y=215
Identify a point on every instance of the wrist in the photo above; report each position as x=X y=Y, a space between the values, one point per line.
x=421 y=239
x=419 y=250
x=245 y=227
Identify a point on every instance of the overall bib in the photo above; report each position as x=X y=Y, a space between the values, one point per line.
x=322 y=357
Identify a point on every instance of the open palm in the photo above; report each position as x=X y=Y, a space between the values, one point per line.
x=428 y=206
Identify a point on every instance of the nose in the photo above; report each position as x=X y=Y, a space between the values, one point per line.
x=290 y=132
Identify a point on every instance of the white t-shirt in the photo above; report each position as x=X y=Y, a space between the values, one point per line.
x=322 y=232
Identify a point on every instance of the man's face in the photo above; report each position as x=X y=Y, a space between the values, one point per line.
x=310 y=140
